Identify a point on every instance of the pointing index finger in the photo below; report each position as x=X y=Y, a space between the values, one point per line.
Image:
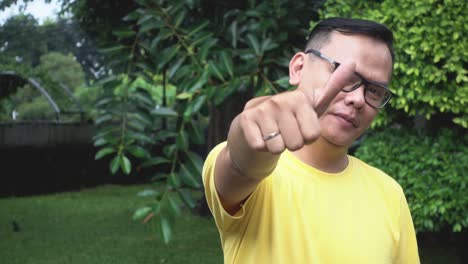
x=340 y=77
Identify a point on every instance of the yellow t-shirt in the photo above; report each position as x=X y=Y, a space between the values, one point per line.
x=302 y=215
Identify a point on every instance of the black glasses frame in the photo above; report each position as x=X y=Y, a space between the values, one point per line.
x=363 y=81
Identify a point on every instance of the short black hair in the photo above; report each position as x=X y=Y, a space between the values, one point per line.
x=320 y=34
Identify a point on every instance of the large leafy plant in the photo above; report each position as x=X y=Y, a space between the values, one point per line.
x=431 y=169
x=206 y=53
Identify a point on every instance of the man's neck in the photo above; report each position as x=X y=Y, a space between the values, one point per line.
x=324 y=156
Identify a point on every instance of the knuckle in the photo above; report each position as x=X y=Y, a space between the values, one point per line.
x=312 y=134
x=276 y=150
x=256 y=145
x=296 y=144
x=275 y=103
x=243 y=118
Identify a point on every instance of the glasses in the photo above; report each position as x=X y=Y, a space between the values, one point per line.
x=376 y=95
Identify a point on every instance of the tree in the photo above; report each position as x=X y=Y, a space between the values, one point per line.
x=21 y=41
x=209 y=53
x=63 y=69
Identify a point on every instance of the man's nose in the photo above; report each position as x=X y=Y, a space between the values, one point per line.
x=356 y=98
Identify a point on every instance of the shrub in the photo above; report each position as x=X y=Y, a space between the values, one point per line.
x=430 y=168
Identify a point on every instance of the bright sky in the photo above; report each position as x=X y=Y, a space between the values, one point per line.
x=38 y=8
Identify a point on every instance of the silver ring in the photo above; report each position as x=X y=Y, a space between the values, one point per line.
x=270 y=136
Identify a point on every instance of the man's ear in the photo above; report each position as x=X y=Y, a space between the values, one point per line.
x=295 y=68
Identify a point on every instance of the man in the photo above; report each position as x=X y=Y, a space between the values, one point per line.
x=283 y=189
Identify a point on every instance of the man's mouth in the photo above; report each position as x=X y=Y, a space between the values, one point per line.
x=348 y=118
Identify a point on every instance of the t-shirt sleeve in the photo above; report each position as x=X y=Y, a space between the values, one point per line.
x=407 y=251
x=223 y=219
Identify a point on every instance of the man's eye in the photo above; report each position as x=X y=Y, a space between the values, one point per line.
x=372 y=89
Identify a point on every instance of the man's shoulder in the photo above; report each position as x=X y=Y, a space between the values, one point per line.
x=377 y=176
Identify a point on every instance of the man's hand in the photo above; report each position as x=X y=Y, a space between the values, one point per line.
x=295 y=115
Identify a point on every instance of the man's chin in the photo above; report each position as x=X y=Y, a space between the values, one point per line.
x=339 y=142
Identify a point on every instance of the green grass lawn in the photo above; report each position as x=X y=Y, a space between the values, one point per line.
x=96 y=226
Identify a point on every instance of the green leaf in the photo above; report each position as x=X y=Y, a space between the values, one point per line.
x=146 y=100
x=188 y=177
x=145 y=19
x=173 y=69
x=125 y=33
x=214 y=70
x=184 y=95
x=169 y=150
x=141 y=213
x=138 y=152
x=227 y=63
x=155 y=161
x=104 y=101
x=126 y=166
x=166 y=229
x=148 y=26
x=268 y=45
x=164 y=134
x=159 y=176
x=200 y=82
x=104 y=152
x=100 y=142
x=206 y=48
x=167 y=54
x=194 y=107
x=201 y=38
x=139 y=137
x=182 y=140
x=164 y=112
x=115 y=164
x=283 y=82
x=112 y=49
x=197 y=103
x=105 y=131
x=103 y=118
x=174 y=204
x=174 y=180
x=148 y=192
x=186 y=197
x=136 y=125
x=253 y=43
x=195 y=131
x=143 y=118
x=234 y=33
x=195 y=162
x=179 y=18
x=198 y=28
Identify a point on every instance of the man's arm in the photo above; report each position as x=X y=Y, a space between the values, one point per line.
x=248 y=158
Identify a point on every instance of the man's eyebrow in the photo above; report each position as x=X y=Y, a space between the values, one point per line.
x=385 y=84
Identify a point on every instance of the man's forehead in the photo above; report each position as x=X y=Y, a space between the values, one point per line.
x=369 y=54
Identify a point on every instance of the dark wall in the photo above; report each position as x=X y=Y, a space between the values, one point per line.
x=32 y=171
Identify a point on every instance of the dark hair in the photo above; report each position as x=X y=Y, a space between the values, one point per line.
x=320 y=34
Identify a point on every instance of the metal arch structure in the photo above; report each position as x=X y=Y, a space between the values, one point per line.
x=10 y=81
x=39 y=133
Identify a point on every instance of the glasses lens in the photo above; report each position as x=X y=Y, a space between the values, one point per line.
x=353 y=83
x=377 y=95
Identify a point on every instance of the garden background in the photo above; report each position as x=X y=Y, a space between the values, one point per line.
x=160 y=81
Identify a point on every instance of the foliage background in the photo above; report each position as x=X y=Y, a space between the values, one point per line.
x=170 y=75
x=430 y=74
x=431 y=167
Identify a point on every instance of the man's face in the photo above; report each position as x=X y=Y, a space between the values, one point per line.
x=348 y=115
